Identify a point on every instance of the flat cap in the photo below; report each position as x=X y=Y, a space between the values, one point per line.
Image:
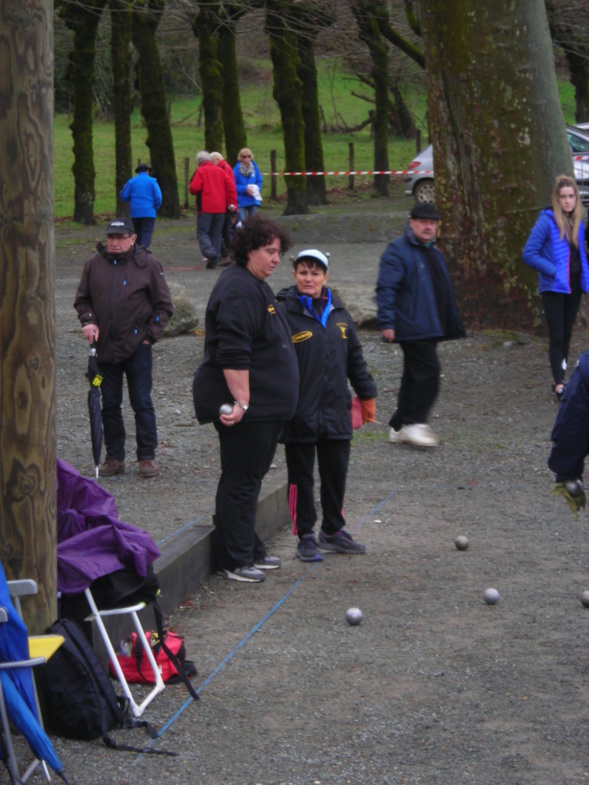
x=425 y=211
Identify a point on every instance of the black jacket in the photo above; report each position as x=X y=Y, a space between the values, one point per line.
x=244 y=331
x=327 y=356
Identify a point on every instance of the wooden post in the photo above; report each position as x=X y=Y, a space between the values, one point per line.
x=351 y=166
x=28 y=542
x=186 y=182
x=417 y=141
x=273 y=183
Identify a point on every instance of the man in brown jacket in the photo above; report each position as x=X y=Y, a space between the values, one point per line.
x=123 y=303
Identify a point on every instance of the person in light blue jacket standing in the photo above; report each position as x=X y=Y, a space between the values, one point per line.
x=145 y=197
x=248 y=182
x=556 y=248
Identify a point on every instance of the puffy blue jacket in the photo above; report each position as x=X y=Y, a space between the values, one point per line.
x=242 y=182
x=144 y=194
x=570 y=435
x=405 y=294
x=550 y=254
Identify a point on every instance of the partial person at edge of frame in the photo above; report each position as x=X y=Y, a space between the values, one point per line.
x=556 y=249
x=328 y=353
x=249 y=363
x=416 y=308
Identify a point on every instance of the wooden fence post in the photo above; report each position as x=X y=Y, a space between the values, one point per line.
x=186 y=176
x=273 y=183
x=351 y=166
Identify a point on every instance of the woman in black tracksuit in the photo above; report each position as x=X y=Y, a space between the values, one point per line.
x=328 y=353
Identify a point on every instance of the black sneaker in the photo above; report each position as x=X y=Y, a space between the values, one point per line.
x=246 y=574
x=307 y=549
x=340 y=542
x=267 y=563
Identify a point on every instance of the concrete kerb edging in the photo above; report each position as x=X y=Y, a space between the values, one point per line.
x=186 y=561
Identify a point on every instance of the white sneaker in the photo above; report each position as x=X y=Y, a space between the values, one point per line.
x=420 y=435
x=397 y=437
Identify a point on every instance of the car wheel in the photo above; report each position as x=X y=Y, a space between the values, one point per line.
x=425 y=192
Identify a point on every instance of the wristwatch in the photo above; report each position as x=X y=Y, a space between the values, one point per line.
x=241 y=405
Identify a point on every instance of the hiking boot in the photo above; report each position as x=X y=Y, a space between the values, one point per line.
x=307 y=549
x=267 y=563
x=148 y=469
x=111 y=467
x=246 y=574
x=340 y=542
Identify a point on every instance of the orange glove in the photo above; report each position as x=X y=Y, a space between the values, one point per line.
x=368 y=410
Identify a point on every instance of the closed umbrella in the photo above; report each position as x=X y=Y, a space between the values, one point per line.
x=95 y=406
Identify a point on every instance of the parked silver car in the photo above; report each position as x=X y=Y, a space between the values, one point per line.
x=421 y=184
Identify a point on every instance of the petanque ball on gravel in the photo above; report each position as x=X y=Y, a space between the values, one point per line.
x=574 y=487
x=461 y=543
x=491 y=596
x=354 y=616
x=585 y=598
x=225 y=408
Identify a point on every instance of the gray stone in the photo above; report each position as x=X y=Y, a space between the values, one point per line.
x=184 y=318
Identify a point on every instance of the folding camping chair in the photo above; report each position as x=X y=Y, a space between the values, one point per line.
x=132 y=611
x=41 y=649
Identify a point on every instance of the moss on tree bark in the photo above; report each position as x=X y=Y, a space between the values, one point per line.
x=233 y=124
x=121 y=21
x=206 y=26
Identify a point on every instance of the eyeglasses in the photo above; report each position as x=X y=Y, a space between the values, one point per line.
x=246 y=156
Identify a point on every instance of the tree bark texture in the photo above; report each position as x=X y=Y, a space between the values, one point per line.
x=146 y=18
x=499 y=141
x=316 y=190
x=206 y=27
x=83 y=21
x=367 y=13
x=287 y=93
x=233 y=123
x=121 y=21
x=27 y=308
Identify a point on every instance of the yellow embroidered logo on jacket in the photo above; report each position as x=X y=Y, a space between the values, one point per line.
x=271 y=309
x=343 y=327
x=302 y=336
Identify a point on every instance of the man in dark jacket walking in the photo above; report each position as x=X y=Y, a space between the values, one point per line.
x=416 y=308
x=328 y=353
x=123 y=303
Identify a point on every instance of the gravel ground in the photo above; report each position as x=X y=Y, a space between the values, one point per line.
x=434 y=687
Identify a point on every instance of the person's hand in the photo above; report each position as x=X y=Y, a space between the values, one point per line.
x=250 y=190
x=388 y=335
x=90 y=332
x=368 y=410
x=232 y=208
x=573 y=492
x=232 y=419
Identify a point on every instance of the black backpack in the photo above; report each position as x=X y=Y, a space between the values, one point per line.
x=80 y=700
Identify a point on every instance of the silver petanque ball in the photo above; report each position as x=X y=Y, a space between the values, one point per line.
x=574 y=487
x=461 y=543
x=225 y=408
x=491 y=596
x=354 y=616
x=585 y=598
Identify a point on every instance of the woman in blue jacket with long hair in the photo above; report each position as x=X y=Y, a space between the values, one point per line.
x=556 y=248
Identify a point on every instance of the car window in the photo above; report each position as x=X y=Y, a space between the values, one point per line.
x=577 y=143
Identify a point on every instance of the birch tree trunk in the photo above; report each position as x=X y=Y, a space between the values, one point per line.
x=499 y=141
x=27 y=308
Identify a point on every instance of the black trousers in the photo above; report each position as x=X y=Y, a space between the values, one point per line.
x=420 y=383
x=561 y=312
x=247 y=450
x=333 y=456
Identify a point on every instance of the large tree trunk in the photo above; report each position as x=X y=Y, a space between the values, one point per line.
x=121 y=21
x=206 y=26
x=233 y=124
x=146 y=18
x=27 y=308
x=288 y=95
x=367 y=13
x=499 y=141
x=316 y=190
x=83 y=20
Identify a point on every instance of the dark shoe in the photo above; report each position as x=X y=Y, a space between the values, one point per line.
x=212 y=263
x=148 y=469
x=340 y=542
x=307 y=549
x=111 y=467
x=226 y=262
x=267 y=563
x=246 y=574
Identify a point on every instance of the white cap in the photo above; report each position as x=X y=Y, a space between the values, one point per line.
x=314 y=254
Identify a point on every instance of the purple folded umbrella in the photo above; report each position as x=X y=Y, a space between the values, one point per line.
x=91 y=540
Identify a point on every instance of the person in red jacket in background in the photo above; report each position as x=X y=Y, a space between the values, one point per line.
x=231 y=214
x=214 y=194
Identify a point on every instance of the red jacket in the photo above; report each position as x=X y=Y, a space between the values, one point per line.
x=213 y=188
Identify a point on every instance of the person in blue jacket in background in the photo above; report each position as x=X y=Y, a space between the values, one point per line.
x=556 y=248
x=145 y=197
x=248 y=182
x=416 y=308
